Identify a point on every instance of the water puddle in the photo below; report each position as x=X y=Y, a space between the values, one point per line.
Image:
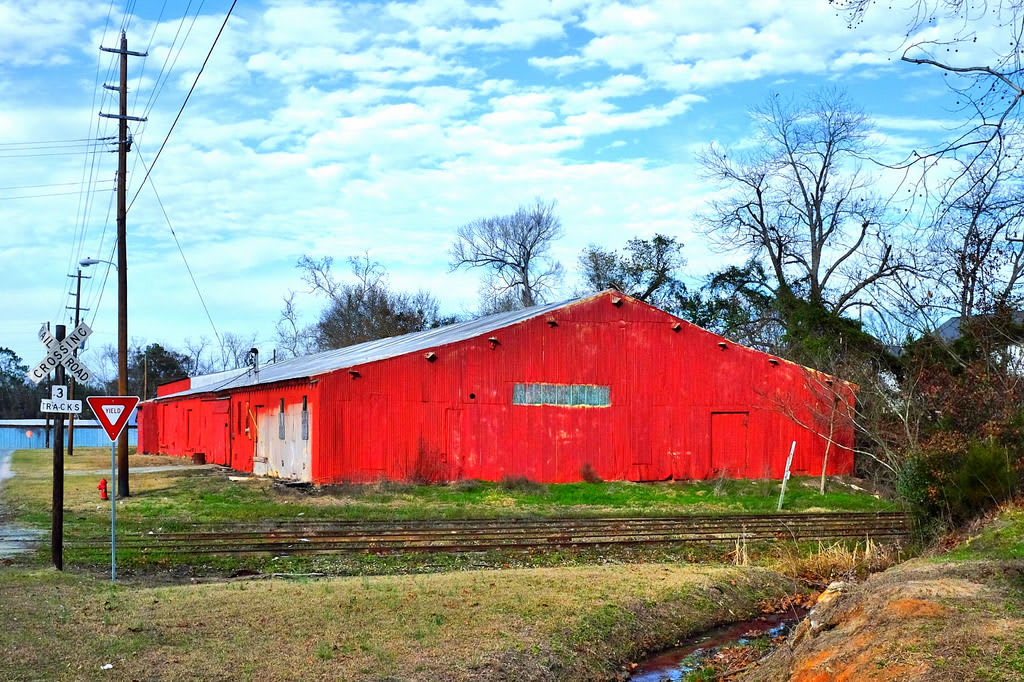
x=13 y=539
x=5 y=465
x=675 y=664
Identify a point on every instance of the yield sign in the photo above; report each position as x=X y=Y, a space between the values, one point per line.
x=113 y=412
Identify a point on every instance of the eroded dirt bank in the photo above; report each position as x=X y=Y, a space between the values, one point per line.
x=923 y=620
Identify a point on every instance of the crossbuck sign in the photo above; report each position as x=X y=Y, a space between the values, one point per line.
x=62 y=353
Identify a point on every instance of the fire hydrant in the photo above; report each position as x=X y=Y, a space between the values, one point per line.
x=102 y=487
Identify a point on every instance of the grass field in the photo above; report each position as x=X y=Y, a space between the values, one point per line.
x=569 y=616
x=172 y=499
x=579 y=623
x=188 y=495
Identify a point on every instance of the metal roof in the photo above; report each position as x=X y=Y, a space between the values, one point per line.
x=362 y=353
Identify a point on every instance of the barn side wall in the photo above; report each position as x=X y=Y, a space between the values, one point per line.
x=679 y=406
x=240 y=429
x=621 y=392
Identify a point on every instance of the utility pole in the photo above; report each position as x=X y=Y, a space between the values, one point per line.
x=124 y=144
x=71 y=384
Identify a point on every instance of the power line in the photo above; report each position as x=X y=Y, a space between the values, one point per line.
x=54 y=142
x=95 y=307
x=180 y=250
x=165 y=70
x=149 y=47
x=183 y=104
x=89 y=169
x=55 y=184
x=52 y=194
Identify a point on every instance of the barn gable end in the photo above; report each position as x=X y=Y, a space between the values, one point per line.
x=604 y=386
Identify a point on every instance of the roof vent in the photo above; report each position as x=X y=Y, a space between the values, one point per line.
x=354 y=373
x=430 y=356
x=494 y=342
x=616 y=301
x=552 y=322
x=723 y=345
x=772 y=361
x=677 y=326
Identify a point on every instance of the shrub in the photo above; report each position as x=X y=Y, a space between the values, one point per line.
x=955 y=486
x=521 y=484
x=588 y=474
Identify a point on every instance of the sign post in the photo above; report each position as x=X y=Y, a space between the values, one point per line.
x=789 y=463
x=113 y=413
x=60 y=355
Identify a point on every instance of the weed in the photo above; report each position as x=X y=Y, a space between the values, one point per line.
x=740 y=556
x=836 y=561
x=466 y=485
x=720 y=484
x=702 y=674
x=325 y=651
x=588 y=474
x=522 y=484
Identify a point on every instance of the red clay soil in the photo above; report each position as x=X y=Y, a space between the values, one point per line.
x=918 y=621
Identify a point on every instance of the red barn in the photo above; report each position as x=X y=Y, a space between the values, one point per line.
x=605 y=386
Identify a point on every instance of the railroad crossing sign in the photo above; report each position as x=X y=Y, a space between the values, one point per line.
x=62 y=353
x=59 y=402
x=113 y=412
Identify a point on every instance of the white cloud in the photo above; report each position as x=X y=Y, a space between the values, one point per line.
x=335 y=128
x=44 y=32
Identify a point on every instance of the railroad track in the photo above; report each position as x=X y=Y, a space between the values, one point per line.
x=306 y=537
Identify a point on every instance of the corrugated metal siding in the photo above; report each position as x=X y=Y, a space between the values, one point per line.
x=455 y=417
x=88 y=434
x=681 y=406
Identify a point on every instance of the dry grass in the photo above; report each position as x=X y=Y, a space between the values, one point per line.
x=835 y=561
x=573 y=623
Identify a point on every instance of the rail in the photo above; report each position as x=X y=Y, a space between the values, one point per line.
x=305 y=537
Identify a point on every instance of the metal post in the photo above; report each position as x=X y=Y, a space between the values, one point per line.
x=57 y=514
x=113 y=511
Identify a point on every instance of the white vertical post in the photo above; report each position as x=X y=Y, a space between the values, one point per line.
x=785 y=477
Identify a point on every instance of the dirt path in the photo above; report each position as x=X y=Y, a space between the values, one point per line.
x=13 y=539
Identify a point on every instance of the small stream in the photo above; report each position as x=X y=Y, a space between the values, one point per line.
x=676 y=663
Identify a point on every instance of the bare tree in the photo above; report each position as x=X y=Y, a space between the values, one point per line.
x=802 y=203
x=356 y=312
x=515 y=249
x=978 y=260
x=196 y=352
x=234 y=350
x=978 y=47
x=294 y=339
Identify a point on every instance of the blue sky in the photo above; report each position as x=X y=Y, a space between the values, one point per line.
x=337 y=128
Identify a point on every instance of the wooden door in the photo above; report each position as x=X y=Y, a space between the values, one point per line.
x=729 y=443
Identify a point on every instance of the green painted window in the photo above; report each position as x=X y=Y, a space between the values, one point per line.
x=569 y=395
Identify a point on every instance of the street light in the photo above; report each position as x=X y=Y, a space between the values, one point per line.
x=86 y=262
x=122 y=356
